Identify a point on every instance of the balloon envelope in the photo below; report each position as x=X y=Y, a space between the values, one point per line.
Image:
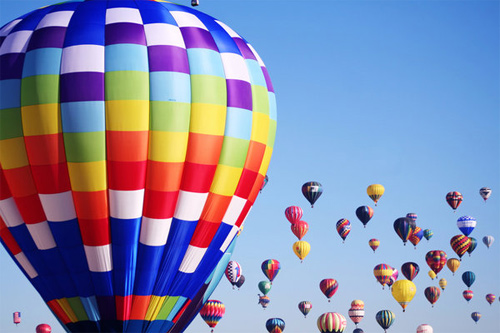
x=454 y=199
x=490 y=298
x=385 y=318
x=410 y=270
x=43 y=328
x=375 y=192
x=383 y=273
x=264 y=287
x=468 y=278
x=403 y=292
x=428 y=234
x=432 y=294
x=468 y=295
x=328 y=287
x=475 y=316
x=485 y=192
x=299 y=229
x=436 y=260
x=374 y=244
x=312 y=191
x=343 y=228
x=424 y=328
x=453 y=264
x=403 y=226
x=364 y=214
x=275 y=325
x=472 y=246
x=331 y=322
x=488 y=241
x=271 y=268
x=460 y=244
x=466 y=224
x=233 y=272
x=443 y=283
x=301 y=249
x=212 y=312
x=305 y=307
x=293 y=214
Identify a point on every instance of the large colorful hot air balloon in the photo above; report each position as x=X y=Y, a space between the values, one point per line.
x=233 y=272
x=460 y=244
x=43 y=328
x=454 y=199
x=468 y=294
x=485 y=193
x=404 y=228
x=374 y=244
x=375 y=192
x=271 y=268
x=453 y=264
x=139 y=135
x=436 y=260
x=212 y=312
x=490 y=298
x=364 y=214
x=428 y=234
x=403 y=292
x=466 y=224
x=312 y=191
x=410 y=270
x=16 y=317
x=264 y=301
x=416 y=236
x=343 y=228
x=383 y=273
x=331 y=322
x=472 y=246
x=299 y=229
x=432 y=294
x=328 y=287
x=424 y=328
x=443 y=283
x=275 y=325
x=475 y=316
x=301 y=249
x=468 y=278
x=305 y=307
x=385 y=318
x=293 y=214
x=264 y=287
x=488 y=241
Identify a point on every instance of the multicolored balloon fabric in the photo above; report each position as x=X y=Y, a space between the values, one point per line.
x=331 y=322
x=212 y=312
x=475 y=316
x=375 y=192
x=454 y=199
x=312 y=191
x=385 y=318
x=275 y=325
x=432 y=294
x=410 y=270
x=343 y=228
x=436 y=260
x=305 y=307
x=328 y=287
x=460 y=244
x=294 y=214
x=271 y=268
x=364 y=214
x=374 y=244
x=468 y=295
x=428 y=234
x=466 y=224
x=299 y=229
x=485 y=193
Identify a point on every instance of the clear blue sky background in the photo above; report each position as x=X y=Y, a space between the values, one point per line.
x=402 y=93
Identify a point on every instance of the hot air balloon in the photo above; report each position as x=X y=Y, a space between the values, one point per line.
x=466 y=224
x=299 y=229
x=357 y=304
x=312 y=191
x=328 y=287
x=293 y=214
x=432 y=274
x=412 y=216
x=385 y=318
x=301 y=249
x=233 y=272
x=403 y=292
x=17 y=317
x=364 y=214
x=468 y=278
x=454 y=199
x=43 y=328
x=264 y=287
x=275 y=325
x=468 y=294
x=264 y=183
x=428 y=234
x=271 y=268
x=416 y=236
x=356 y=315
x=403 y=227
x=443 y=283
x=432 y=294
x=305 y=307
x=475 y=316
x=453 y=264
x=436 y=260
x=212 y=311
x=472 y=246
x=139 y=145
x=488 y=241
x=264 y=301
x=375 y=191
x=460 y=244
x=343 y=228
x=410 y=270
x=383 y=273
x=358 y=330
x=485 y=193
x=394 y=276
x=490 y=298
x=424 y=328
x=331 y=322
x=240 y=282
x=374 y=244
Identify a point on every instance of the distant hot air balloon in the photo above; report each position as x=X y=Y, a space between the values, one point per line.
x=17 y=317
x=233 y=272
x=428 y=234
x=443 y=283
x=394 y=276
x=293 y=214
x=403 y=292
x=385 y=318
x=488 y=241
x=312 y=191
x=358 y=330
x=412 y=216
x=271 y=268
x=328 y=287
x=468 y=294
x=356 y=315
x=466 y=224
x=436 y=260
x=432 y=274
x=410 y=270
x=357 y=304
x=275 y=325
x=460 y=244
x=305 y=307
x=375 y=191
x=416 y=236
x=264 y=287
x=264 y=183
x=374 y=244
x=264 y=301
x=43 y=328
x=432 y=294
x=364 y=214
x=331 y=322
x=343 y=228
x=473 y=245
x=301 y=249
x=212 y=311
x=475 y=316
x=490 y=298
x=453 y=264
x=424 y=328
x=485 y=193
x=383 y=273
x=454 y=199
x=299 y=229
x=240 y=281
x=468 y=278
x=403 y=227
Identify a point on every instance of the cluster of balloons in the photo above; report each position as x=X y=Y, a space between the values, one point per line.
x=234 y=274
x=270 y=268
x=299 y=228
x=357 y=311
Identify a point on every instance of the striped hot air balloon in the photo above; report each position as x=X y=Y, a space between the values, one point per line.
x=385 y=318
x=343 y=228
x=331 y=322
x=328 y=287
x=454 y=199
x=293 y=214
x=460 y=244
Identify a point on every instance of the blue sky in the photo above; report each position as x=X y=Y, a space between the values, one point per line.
x=401 y=93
